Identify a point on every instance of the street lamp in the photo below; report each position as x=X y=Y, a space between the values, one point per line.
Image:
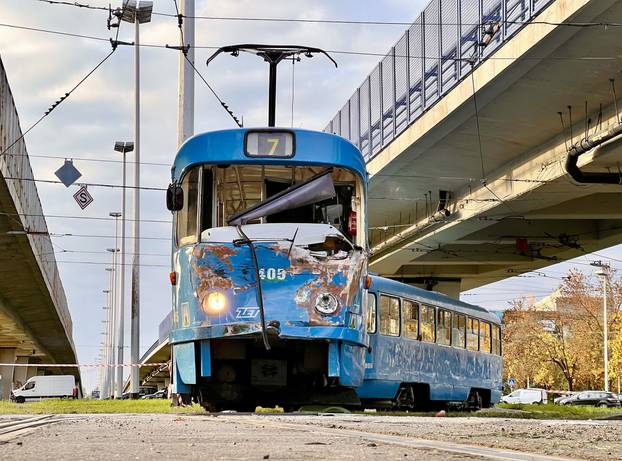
x=603 y=273
x=138 y=13
x=123 y=147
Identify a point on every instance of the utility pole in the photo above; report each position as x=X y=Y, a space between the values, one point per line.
x=185 y=108
x=137 y=14
x=118 y=309
x=124 y=148
x=603 y=272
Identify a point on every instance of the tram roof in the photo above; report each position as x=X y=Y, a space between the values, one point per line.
x=227 y=147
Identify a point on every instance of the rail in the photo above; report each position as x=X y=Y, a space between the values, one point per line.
x=16 y=164
x=437 y=51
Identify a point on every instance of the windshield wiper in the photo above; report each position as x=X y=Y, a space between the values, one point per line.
x=315 y=189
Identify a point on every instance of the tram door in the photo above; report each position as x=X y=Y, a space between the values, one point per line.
x=372 y=331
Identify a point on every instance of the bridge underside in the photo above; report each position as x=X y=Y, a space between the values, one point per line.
x=30 y=328
x=512 y=206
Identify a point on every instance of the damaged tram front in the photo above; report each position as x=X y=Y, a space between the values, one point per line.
x=269 y=268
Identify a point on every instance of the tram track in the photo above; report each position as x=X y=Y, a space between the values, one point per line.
x=405 y=441
x=21 y=426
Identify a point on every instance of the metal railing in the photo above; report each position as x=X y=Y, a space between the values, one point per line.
x=438 y=50
x=15 y=164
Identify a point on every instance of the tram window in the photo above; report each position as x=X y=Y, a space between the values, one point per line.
x=496 y=340
x=427 y=324
x=187 y=216
x=411 y=320
x=484 y=336
x=443 y=327
x=472 y=334
x=389 y=316
x=458 y=331
x=371 y=313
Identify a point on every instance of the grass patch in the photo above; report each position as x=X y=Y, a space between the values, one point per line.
x=58 y=406
x=552 y=411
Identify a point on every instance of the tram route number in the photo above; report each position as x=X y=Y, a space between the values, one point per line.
x=272 y=274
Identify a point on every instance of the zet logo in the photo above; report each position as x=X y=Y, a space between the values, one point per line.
x=246 y=313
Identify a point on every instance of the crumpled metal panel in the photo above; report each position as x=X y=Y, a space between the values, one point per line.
x=292 y=279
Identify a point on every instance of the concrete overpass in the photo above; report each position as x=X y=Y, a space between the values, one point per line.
x=507 y=204
x=35 y=325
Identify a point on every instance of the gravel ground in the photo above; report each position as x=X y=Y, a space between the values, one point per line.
x=305 y=437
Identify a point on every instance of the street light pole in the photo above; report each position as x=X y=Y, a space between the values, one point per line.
x=603 y=273
x=137 y=14
x=124 y=148
x=118 y=309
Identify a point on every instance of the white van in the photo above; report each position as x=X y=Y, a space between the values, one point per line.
x=52 y=386
x=531 y=395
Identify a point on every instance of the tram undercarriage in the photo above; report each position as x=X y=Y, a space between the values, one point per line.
x=291 y=374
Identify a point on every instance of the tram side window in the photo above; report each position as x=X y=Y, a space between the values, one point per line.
x=458 y=332
x=187 y=216
x=371 y=313
x=443 y=327
x=389 y=316
x=411 y=320
x=427 y=324
x=473 y=334
x=484 y=336
x=496 y=340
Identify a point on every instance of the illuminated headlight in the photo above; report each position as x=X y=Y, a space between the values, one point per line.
x=216 y=301
x=326 y=303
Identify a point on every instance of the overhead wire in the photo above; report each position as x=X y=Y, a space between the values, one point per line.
x=343 y=52
x=362 y=22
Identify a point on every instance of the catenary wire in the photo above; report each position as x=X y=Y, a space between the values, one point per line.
x=60 y=101
x=342 y=21
x=343 y=52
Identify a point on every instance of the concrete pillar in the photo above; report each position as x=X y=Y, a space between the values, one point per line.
x=32 y=371
x=20 y=374
x=447 y=287
x=7 y=355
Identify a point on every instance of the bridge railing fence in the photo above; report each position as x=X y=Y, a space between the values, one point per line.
x=438 y=50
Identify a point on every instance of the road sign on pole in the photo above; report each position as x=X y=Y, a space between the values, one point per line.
x=511 y=382
x=83 y=197
x=68 y=174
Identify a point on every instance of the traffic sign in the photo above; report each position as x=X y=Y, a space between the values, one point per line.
x=68 y=174
x=511 y=382
x=83 y=197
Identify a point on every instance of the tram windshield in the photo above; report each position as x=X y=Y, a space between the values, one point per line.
x=216 y=196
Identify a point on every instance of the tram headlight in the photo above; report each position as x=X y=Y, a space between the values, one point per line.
x=216 y=301
x=326 y=303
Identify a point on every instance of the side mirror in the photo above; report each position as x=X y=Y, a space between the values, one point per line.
x=174 y=197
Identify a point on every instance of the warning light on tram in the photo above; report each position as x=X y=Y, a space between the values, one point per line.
x=216 y=301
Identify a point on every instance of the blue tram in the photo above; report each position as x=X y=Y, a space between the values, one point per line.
x=272 y=301
x=269 y=268
x=428 y=349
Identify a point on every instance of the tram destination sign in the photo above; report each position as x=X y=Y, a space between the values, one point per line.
x=267 y=143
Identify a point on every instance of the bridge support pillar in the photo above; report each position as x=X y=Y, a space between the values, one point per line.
x=7 y=355
x=20 y=374
x=449 y=287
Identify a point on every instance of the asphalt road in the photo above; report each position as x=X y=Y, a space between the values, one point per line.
x=347 y=437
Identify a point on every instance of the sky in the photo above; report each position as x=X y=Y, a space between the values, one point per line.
x=42 y=67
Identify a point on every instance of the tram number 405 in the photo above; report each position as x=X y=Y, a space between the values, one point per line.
x=272 y=274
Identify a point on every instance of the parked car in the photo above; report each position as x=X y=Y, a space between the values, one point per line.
x=142 y=391
x=52 y=386
x=595 y=398
x=562 y=399
x=161 y=394
x=531 y=395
